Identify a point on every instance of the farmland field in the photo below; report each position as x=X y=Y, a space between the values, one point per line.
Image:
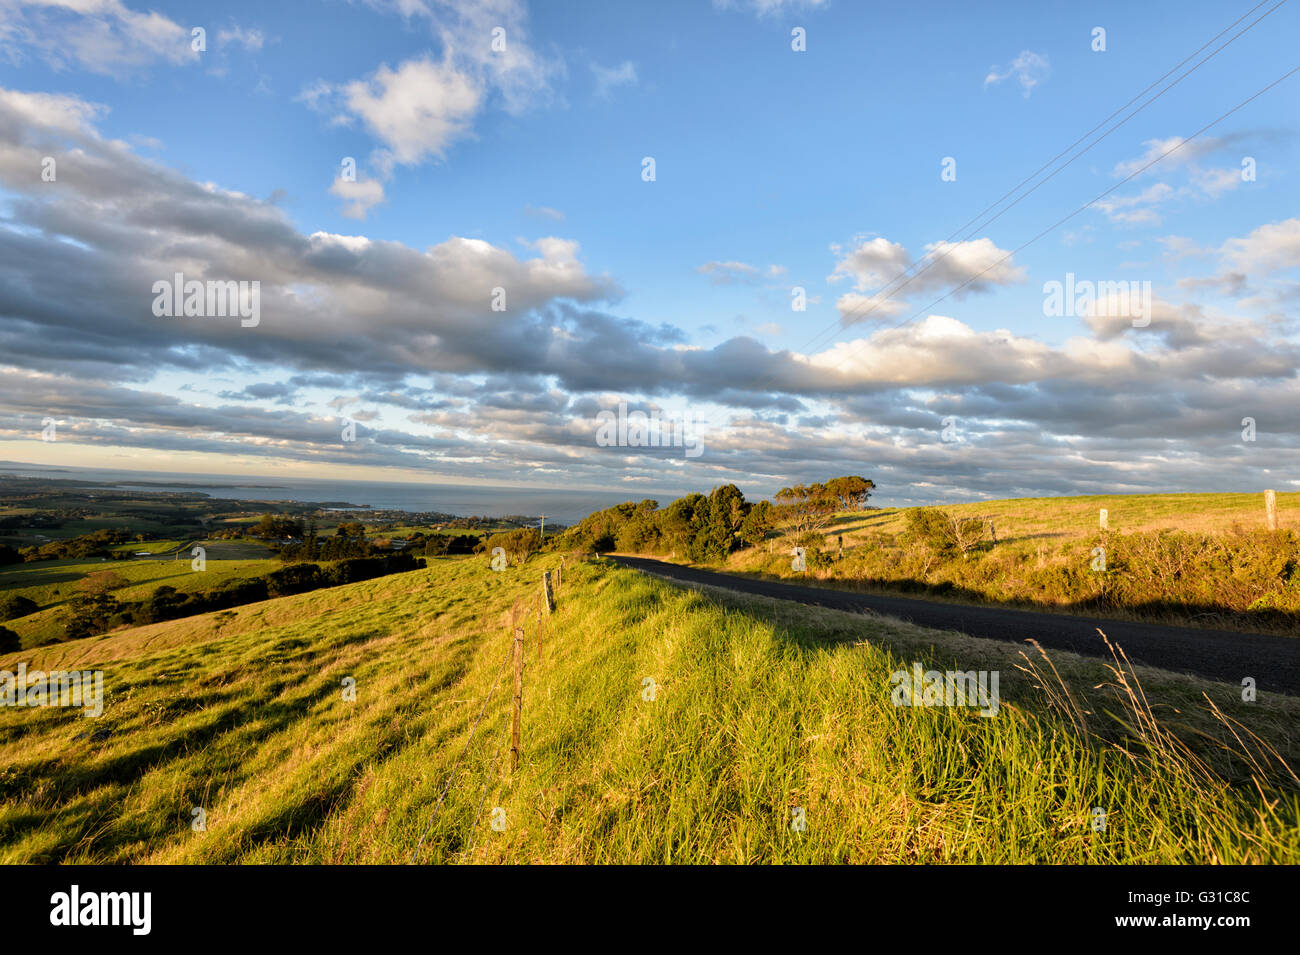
x=53 y=583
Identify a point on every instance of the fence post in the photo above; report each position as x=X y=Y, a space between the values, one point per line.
x=1270 y=509
x=519 y=698
x=1105 y=519
x=546 y=590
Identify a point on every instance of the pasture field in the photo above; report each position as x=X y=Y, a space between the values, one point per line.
x=52 y=583
x=1195 y=560
x=1060 y=518
x=659 y=725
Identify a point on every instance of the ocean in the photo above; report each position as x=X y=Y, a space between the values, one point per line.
x=564 y=507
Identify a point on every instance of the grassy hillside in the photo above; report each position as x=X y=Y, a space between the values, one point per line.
x=1065 y=517
x=1187 y=559
x=52 y=583
x=759 y=709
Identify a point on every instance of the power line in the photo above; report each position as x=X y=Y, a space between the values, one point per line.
x=887 y=293
x=1086 y=205
x=1018 y=199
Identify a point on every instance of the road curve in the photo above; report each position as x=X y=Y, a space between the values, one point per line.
x=1273 y=661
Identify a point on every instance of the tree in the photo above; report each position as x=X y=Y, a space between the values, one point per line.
x=640 y=532
x=90 y=614
x=13 y=606
x=519 y=544
x=163 y=603
x=351 y=529
x=944 y=532
x=718 y=524
x=9 y=641
x=9 y=556
x=276 y=527
x=806 y=507
x=680 y=522
x=850 y=491
x=758 y=522
x=293 y=579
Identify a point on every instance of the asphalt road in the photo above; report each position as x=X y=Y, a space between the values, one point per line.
x=1273 y=661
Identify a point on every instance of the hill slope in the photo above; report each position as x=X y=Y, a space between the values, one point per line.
x=762 y=714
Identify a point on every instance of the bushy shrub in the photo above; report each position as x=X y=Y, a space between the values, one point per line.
x=519 y=544
x=13 y=606
x=293 y=579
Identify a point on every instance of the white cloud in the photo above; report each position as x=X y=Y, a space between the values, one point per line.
x=248 y=39
x=871 y=263
x=416 y=110
x=765 y=8
x=419 y=109
x=878 y=266
x=1270 y=248
x=1029 y=69
x=1179 y=151
x=855 y=307
x=731 y=273
x=1137 y=209
x=544 y=212
x=360 y=195
x=101 y=36
x=609 y=78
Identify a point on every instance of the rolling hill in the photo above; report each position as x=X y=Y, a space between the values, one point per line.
x=769 y=733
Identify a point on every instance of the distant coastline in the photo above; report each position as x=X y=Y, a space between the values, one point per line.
x=560 y=506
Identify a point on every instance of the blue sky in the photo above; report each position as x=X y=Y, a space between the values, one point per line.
x=774 y=168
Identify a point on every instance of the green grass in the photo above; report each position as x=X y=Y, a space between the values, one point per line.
x=52 y=583
x=761 y=707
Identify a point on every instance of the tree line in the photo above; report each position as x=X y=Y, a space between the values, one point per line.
x=708 y=527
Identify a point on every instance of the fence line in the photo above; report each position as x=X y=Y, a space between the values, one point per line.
x=455 y=766
x=515 y=724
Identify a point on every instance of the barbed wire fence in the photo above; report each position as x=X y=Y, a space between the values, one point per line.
x=550 y=595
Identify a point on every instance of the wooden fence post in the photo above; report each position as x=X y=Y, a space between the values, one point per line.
x=519 y=698
x=546 y=590
x=1270 y=509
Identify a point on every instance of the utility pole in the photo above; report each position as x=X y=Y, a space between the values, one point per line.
x=543 y=526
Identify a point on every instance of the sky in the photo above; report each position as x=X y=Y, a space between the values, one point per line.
x=814 y=238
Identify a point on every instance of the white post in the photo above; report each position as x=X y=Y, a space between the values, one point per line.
x=1105 y=519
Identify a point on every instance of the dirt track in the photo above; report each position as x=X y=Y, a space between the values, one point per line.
x=1273 y=661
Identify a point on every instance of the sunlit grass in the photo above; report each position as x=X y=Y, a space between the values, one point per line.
x=760 y=708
